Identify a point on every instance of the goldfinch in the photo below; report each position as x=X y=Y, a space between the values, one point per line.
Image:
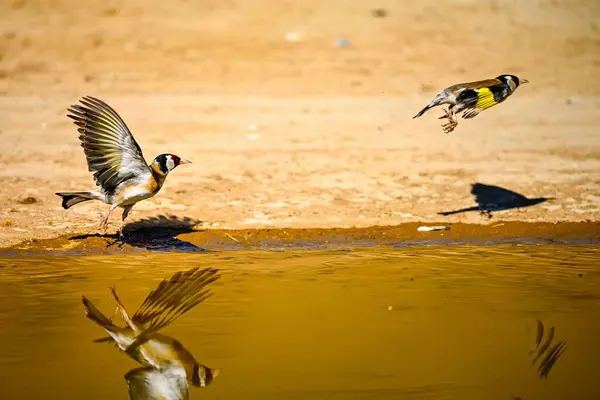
x=472 y=98
x=140 y=338
x=122 y=175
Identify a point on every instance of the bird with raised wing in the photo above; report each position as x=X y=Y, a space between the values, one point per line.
x=140 y=338
x=472 y=98
x=122 y=176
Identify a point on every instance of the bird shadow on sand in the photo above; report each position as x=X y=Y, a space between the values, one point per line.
x=156 y=233
x=490 y=198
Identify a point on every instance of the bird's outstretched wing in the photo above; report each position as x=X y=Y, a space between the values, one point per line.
x=169 y=383
x=110 y=149
x=477 y=100
x=173 y=297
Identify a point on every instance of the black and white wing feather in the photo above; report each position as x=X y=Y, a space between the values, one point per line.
x=110 y=149
x=169 y=383
x=170 y=299
x=174 y=296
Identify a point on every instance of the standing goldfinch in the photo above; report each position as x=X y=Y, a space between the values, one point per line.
x=122 y=175
x=472 y=98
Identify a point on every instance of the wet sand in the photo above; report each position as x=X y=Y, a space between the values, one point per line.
x=296 y=133
x=170 y=234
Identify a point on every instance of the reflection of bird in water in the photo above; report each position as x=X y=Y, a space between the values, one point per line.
x=552 y=353
x=170 y=383
x=122 y=175
x=495 y=198
x=472 y=98
x=140 y=338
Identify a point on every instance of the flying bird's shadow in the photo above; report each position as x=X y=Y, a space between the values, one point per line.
x=156 y=233
x=491 y=198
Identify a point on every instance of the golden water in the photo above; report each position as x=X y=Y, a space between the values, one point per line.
x=318 y=324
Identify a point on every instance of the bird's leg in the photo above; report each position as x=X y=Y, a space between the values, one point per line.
x=121 y=309
x=452 y=121
x=126 y=210
x=104 y=222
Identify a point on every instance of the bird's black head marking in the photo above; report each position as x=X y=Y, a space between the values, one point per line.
x=161 y=160
x=168 y=162
x=507 y=79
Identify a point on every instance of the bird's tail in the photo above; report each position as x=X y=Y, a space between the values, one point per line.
x=69 y=199
x=437 y=100
x=96 y=315
x=427 y=107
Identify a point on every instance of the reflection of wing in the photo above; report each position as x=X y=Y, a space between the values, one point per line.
x=149 y=384
x=173 y=297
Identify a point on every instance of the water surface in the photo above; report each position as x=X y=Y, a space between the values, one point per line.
x=407 y=323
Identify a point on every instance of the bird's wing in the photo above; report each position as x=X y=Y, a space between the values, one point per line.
x=482 y=98
x=110 y=149
x=170 y=383
x=173 y=297
x=483 y=83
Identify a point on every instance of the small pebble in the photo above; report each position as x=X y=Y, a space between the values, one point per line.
x=390 y=308
x=293 y=37
x=433 y=228
x=379 y=13
x=341 y=43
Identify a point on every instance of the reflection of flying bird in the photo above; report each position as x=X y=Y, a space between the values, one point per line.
x=552 y=354
x=122 y=175
x=140 y=338
x=170 y=383
x=472 y=98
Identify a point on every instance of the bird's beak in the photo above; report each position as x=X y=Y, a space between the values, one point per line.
x=523 y=80
x=184 y=161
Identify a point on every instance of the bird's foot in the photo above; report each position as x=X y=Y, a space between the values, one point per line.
x=103 y=223
x=449 y=127
x=452 y=123
x=120 y=230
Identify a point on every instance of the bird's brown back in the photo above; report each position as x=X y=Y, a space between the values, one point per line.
x=474 y=85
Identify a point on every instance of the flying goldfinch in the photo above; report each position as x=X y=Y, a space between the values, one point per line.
x=472 y=98
x=122 y=175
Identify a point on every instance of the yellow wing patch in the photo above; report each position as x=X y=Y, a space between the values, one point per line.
x=485 y=99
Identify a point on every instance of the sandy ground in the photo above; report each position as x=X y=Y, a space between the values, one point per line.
x=287 y=130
